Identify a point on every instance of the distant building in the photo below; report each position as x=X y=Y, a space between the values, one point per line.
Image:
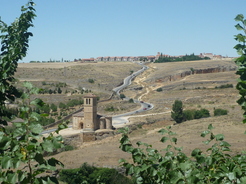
x=149 y=58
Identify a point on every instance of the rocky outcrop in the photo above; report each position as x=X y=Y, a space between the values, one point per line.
x=179 y=76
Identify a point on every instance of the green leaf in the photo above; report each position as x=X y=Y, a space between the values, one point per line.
x=28 y=85
x=210 y=127
x=196 y=152
x=37 y=102
x=174 y=139
x=204 y=133
x=219 y=137
x=6 y=162
x=239 y=27
x=163 y=131
x=12 y=177
x=36 y=128
x=47 y=146
x=164 y=139
x=122 y=160
x=239 y=17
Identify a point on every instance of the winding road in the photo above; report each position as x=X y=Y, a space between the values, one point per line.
x=121 y=119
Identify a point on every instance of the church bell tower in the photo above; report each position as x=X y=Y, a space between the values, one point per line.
x=90 y=112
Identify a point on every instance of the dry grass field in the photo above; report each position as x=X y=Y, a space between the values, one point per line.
x=196 y=91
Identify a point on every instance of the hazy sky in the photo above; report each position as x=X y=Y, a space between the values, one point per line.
x=72 y=29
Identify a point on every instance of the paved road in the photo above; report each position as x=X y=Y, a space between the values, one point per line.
x=121 y=118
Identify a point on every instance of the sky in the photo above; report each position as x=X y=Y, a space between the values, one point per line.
x=73 y=29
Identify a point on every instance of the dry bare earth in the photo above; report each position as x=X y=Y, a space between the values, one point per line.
x=106 y=152
x=106 y=76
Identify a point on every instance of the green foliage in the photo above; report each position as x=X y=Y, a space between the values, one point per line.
x=203 y=113
x=91 y=81
x=74 y=102
x=110 y=109
x=53 y=107
x=59 y=90
x=61 y=84
x=190 y=57
x=62 y=105
x=224 y=86
x=241 y=62
x=159 y=90
x=22 y=147
x=171 y=165
x=131 y=100
x=21 y=150
x=189 y=114
x=92 y=175
x=220 y=112
x=122 y=96
x=177 y=111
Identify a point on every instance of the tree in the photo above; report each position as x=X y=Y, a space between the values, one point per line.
x=171 y=165
x=177 y=111
x=62 y=105
x=131 y=100
x=53 y=107
x=59 y=90
x=21 y=150
x=122 y=96
x=241 y=62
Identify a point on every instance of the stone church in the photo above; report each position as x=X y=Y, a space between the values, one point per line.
x=88 y=120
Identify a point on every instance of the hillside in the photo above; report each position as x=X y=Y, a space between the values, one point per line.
x=196 y=91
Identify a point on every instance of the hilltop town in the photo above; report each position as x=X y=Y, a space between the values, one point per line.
x=150 y=58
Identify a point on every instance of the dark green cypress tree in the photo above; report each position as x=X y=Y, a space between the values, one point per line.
x=177 y=111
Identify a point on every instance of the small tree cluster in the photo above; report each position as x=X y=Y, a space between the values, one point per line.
x=220 y=112
x=93 y=175
x=224 y=86
x=179 y=115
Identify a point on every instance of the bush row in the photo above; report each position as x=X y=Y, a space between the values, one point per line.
x=93 y=175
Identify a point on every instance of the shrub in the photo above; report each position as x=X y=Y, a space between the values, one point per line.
x=220 y=112
x=53 y=107
x=62 y=105
x=203 y=113
x=91 y=80
x=225 y=86
x=159 y=90
x=93 y=175
x=110 y=109
x=188 y=114
x=197 y=114
x=122 y=96
x=131 y=100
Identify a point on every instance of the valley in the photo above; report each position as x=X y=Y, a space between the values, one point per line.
x=196 y=91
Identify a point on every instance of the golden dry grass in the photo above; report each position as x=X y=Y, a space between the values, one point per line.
x=106 y=152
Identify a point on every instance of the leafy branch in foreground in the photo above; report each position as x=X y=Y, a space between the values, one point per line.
x=21 y=150
x=171 y=165
x=241 y=62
